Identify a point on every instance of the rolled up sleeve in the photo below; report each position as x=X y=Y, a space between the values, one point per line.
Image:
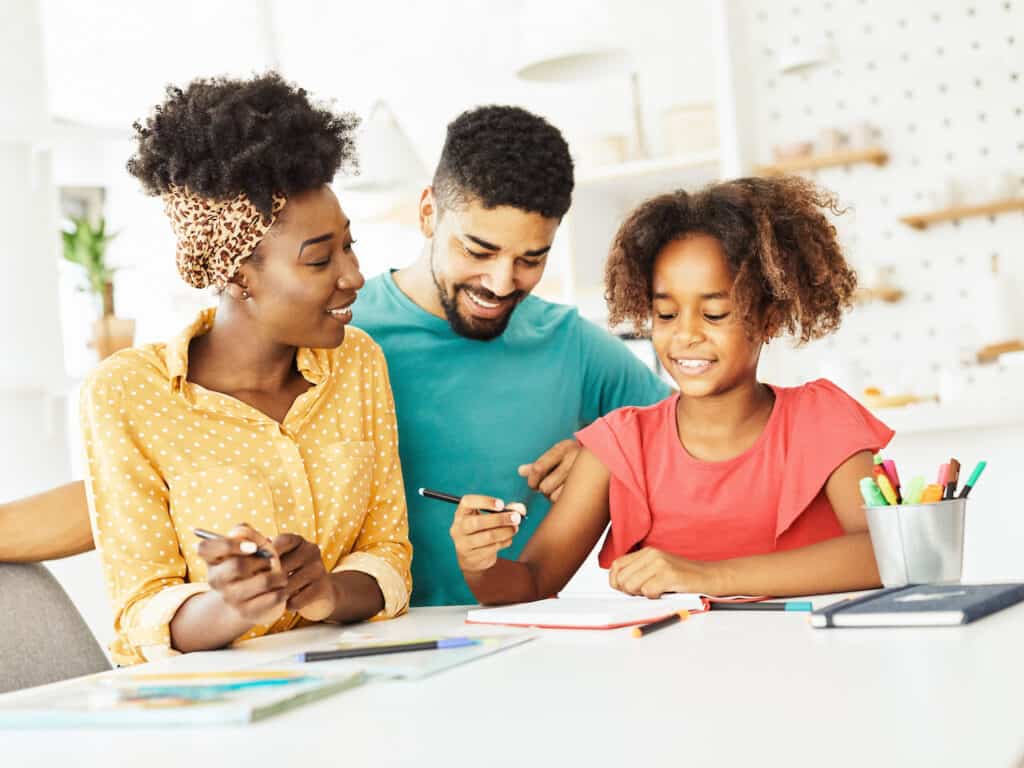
x=382 y=549
x=128 y=507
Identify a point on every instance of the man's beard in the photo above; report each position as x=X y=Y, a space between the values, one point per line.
x=478 y=328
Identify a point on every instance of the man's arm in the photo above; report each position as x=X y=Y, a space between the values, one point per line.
x=47 y=526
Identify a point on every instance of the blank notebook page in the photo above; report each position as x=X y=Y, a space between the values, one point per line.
x=582 y=611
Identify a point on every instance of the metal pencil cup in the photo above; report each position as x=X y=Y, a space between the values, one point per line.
x=918 y=543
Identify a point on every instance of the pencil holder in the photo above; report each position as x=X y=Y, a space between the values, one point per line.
x=918 y=543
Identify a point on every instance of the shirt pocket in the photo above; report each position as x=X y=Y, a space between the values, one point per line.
x=341 y=477
x=218 y=497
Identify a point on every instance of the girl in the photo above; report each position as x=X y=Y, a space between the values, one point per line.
x=267 y=410
x=730 y=486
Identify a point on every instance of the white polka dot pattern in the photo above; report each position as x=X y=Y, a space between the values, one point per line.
x=166 y=456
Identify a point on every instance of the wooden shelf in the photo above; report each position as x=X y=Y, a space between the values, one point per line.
x=875 y=155
x=923 y=220
x=656 y=166
x=887 y=294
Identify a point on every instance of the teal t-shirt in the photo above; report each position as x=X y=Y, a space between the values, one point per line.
x=470 y=412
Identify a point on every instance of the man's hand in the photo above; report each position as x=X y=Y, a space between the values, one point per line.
x=309 y=587
x=548 y=473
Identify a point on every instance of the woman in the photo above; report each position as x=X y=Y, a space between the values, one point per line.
x=267 y=418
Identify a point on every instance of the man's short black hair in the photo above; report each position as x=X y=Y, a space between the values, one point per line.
x=505 y=156
x=220 y=137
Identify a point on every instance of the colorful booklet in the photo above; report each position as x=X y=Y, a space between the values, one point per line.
x=173 y=699
x=925 y=605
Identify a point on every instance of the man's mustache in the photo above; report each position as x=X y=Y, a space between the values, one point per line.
x=486 y=295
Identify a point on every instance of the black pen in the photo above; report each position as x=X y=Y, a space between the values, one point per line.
x=804 y=606
x=211 y=536
x=378 y=650
x=427 y=493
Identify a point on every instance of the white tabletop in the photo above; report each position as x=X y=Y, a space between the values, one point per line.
x=723 y=688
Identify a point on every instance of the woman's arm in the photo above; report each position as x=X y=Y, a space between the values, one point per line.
x=47 y=526
x=245 y=590
x=554 y=553
x=376 y=576
x=840 y=564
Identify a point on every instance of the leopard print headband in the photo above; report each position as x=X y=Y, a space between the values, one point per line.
x=215 y=236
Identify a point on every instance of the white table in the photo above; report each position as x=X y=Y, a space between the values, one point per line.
x=721 y=689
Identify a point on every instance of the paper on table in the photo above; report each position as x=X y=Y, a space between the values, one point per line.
x=582 y=611
x=411 y=665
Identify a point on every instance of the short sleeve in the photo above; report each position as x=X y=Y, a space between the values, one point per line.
x=824 y=427
x=613 y=377
x=621 y=443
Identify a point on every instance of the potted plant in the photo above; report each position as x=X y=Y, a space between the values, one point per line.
x=86 y=246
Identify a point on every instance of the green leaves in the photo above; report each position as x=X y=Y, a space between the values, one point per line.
x=86 y=246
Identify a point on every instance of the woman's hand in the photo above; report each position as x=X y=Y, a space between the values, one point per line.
x=651 y=573
x=310 y=588
x=253 y=587
x=480 y=535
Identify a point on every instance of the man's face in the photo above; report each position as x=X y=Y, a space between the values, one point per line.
x=484 y=261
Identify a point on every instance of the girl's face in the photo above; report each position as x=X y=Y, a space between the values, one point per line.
x=306 y=276
x=696 y=334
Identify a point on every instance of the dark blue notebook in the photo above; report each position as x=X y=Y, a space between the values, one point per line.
x=925 y=605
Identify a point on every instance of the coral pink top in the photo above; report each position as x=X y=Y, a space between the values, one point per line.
x=769 y=498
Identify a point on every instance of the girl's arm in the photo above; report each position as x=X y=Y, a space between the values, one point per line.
x=555 y=551
x=840 y=564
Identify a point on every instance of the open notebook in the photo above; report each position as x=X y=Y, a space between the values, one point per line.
x=588 y=611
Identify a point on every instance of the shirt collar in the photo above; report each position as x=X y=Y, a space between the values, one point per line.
x=312 y=364
x=176 y=352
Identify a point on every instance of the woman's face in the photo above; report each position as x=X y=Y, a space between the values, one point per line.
x=696 y=333
x=304 y=275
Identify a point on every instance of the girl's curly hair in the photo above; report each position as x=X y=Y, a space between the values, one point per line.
x=790 y=273
x=220 y=137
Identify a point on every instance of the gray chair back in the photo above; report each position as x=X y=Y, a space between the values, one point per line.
x=43 y=637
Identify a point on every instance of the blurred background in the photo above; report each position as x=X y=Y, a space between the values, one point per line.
x=911 y=112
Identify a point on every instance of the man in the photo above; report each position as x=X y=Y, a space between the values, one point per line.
x=489 y=382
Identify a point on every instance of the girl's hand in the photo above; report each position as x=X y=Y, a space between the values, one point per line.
x=479 y=536
x=651 y=573
x=254 y=587
x=309 y=587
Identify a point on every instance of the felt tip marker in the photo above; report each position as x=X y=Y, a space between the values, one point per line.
x=871 y=493
x=952 y=478
x=890 y=471
x=978 y=469
x=885 y=486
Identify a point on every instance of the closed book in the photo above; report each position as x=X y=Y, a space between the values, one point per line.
x=923 y=605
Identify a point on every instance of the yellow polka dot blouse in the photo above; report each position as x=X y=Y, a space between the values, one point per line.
x=166 y=456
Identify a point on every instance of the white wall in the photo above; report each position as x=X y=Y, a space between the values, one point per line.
x=943 y=83
x=107 y=64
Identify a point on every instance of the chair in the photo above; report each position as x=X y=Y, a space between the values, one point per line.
x=43 y=638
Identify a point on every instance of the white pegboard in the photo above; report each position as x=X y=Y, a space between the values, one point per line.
x=942 y=82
